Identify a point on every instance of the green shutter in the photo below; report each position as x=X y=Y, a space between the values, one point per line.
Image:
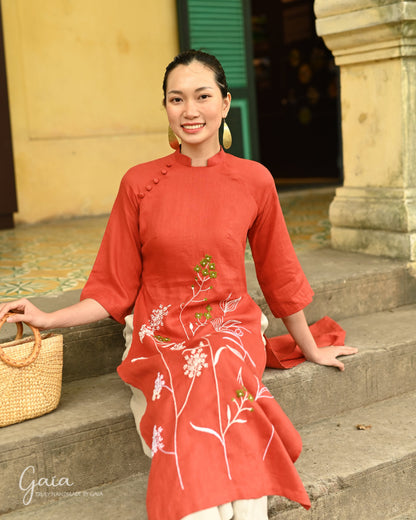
x=218 y=28
x=223 y=28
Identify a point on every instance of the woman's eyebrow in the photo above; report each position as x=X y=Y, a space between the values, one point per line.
x=196 y=90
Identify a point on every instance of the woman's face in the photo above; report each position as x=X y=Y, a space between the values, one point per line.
x=195 y=107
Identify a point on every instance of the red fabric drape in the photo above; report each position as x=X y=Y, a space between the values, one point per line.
x=282 y=351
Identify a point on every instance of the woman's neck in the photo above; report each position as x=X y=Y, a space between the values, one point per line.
x=199 y=155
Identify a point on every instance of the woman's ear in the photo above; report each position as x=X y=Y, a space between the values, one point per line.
x=226 y=105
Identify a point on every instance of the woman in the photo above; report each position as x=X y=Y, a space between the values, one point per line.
x=174 y=251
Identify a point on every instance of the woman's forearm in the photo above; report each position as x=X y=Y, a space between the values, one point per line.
x=298 y=328
x=85 y=311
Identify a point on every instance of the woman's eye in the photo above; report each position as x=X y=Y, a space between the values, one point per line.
x=175 y=100
x=204 y=96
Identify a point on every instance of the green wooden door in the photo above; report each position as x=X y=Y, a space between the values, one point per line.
x=223 y=28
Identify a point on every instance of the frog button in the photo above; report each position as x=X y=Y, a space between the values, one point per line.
x=156 y=180
x=164 y=171
x=141 y=195
x=169 y=165
x=148 y=187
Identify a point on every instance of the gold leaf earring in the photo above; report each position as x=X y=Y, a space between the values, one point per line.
x=173 y=140
x=227 y=140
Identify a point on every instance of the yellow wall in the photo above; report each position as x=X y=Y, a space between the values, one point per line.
x=84 y=79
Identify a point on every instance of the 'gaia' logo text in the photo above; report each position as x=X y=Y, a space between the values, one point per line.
x=29 y=486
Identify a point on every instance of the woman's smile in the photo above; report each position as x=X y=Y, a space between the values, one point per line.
x=188 y=127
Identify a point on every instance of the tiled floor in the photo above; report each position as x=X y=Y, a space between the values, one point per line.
x=53 y=257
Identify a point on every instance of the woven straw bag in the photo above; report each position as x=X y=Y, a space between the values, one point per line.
x=30 y=375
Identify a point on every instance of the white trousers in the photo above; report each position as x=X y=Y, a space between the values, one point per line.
x=250 y=509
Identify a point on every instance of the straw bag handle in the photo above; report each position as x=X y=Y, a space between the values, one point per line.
x=36 y=348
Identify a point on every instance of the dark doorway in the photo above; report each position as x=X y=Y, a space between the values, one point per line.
x=8 y=204
x=297 y=94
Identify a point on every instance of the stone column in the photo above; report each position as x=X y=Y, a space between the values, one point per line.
x=374 y=44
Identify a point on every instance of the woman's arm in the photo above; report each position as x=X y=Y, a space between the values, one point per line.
x=85 y=311
x=298 y=328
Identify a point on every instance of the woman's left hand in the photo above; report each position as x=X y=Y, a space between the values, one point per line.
x=328 y=356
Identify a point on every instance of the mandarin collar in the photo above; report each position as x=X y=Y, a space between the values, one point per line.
x=187 y=161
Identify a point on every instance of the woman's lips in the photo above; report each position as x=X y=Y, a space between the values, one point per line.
x=193 y=127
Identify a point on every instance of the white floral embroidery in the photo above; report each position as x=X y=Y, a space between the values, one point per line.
x=145 y=330
x=156 y=318
x=195 y=363
x=228 y=305
x=237 y=413
x=155 y=322
x=196 y=359
x=157 y=440
x=231 y=326
x=159 y=384
x=177 y=346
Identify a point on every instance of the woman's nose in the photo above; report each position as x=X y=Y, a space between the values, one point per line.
x=190 y=110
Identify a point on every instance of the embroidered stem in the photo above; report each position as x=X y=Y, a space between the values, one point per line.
x=193 y=299
x=219 y=410
x=187 y=397
x=175 y=434
x=268 y=444
x=205 y=272
x=240 y=409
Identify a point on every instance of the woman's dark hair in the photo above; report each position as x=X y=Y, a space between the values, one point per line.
x=210 y=61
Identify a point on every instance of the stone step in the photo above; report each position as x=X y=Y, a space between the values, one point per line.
x=345 y=284
x=93 y=426
x=384 y=367
x=90 y=439
x=124 y=499
x=361 y=474
x=349 y=473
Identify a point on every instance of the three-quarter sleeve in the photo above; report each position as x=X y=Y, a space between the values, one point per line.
x=279 y=272
x=116 y=275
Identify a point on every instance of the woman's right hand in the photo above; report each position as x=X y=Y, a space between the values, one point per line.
x=25 y=311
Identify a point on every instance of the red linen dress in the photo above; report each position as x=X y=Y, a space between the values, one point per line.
x=174 y=249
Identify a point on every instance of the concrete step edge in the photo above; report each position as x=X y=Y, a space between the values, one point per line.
x=358 y=473
x=346 y=285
